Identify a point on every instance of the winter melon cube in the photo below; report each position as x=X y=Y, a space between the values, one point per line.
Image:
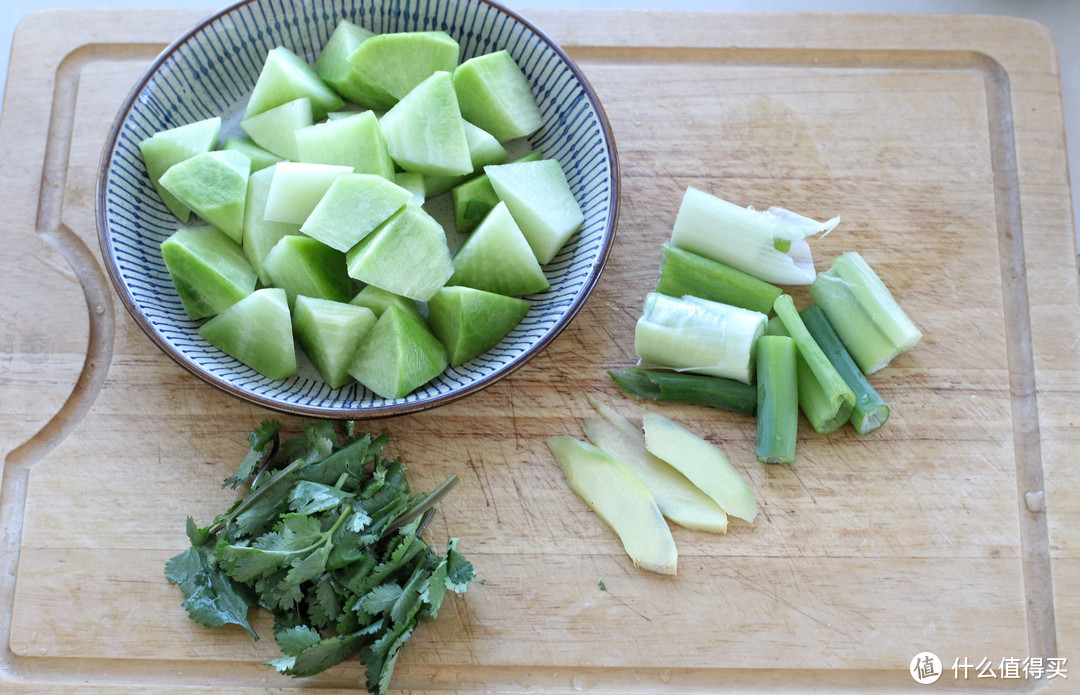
x=425 y=132
x=275 y=130
x=257 y=330
x=301 y=265
x=378 y=299
x=494 y=94
x=413 y=183
x=469 y=322
x=497 y=258
x=214 y=185
x=406 y=255
x=355 y=141
x=330 y=332
x=208 y=269
x=260 y=158
x=353 y=206
x=475 y=198
x=173 y=146
x=541 y=202
x=261 y=234
x=397 y=356
x=297 y=188
x=397 y=62
x=286 y=77
x=484 y=149
x=334 y=67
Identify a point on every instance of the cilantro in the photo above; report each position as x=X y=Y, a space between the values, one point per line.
x=603 y=586
x=329 y=544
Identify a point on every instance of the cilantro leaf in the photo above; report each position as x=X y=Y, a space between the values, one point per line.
x=308 y=567
x=459 y=571
x=409 y=603
x=296 y=639
x=324 y=603
x=210 y=597
x=315 y=443
x=381 y=656
x=328 y=652
x=381 y=599
x=310 y=498
x=266 y=433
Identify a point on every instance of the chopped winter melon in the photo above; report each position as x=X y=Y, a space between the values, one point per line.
x=275 y=130
x=208 y=269
x=397 y=356
x=260 y=158
x=297 y=188
x=169 y=147
x=214 y=185
x=355 y=141
x=396 y=63
x=260 y=234
x=257 y=330
x=330 y=332
x=406 y=255
x=497 y=258
x=353 y=206
x=540 y=199
x=495 y=95
x=469 y=322
x=285 y=77
x=425 y=132
x=301 y=265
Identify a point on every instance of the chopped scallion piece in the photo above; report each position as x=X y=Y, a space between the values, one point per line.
x=684 y=273
x=824 y=397
x=673 y=387
x=870 y=411
x=872 y=326
x=778 y=399
x=769 y=245
x=690 y=334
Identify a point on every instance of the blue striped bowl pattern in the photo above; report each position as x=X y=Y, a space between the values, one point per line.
x=211 y=70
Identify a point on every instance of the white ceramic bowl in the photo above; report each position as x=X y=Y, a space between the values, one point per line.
x=210 y=71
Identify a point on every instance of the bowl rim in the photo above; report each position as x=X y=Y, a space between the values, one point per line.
x=379 y=411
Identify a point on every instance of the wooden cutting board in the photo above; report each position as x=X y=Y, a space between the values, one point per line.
x=955 y=529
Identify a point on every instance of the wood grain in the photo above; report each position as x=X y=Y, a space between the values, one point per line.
x=939 y=141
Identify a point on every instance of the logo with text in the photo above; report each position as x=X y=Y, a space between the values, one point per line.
x=925 y=668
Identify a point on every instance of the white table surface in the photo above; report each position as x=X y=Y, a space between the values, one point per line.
x=1061 y=16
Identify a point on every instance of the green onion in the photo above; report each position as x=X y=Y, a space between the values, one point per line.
x=672 y=387
x=769 y=245
x=778 y=399
x=872 y=326
x=684 y=273
x=824 y=397
x=870 y=411
x=690 y=334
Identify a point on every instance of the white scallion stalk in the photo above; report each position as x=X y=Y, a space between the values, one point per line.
x=747 y=239
x=691 y=334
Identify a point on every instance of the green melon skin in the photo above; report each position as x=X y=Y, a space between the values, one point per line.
x=257 y=330
x=475 y=198
x=541 y=202
x=260 y=158
x=275 y=129
x=425 y=132
x=397 y=356
x=406 y=255
x=301 y=265
x=497 y=258
x=334 y=67
x=469 y=322
x=353 y=206
x=168 y=147
x=494 y=94
x=378 y=299
x=396 y=63
x=214 y=186
x=355 y=141
x=286 y=77
x=208 y=269
x=330 y=333
x=261 y=234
